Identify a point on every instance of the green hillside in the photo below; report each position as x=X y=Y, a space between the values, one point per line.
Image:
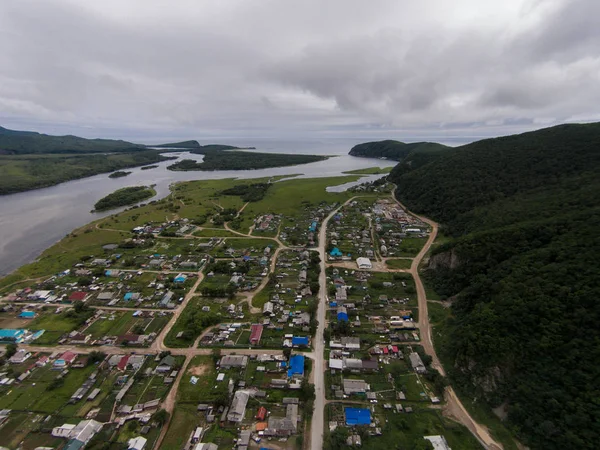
x=396 y=150
x=28 y=142
x=523 y=273
x=183 y=144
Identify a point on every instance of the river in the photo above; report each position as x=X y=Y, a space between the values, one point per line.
x=32 y=221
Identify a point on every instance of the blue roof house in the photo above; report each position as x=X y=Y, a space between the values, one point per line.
x=336 y=252
x=296 y=366
x=357 y=416
x=299 y=341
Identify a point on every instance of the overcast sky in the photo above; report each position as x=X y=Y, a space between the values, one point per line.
x=204 y=69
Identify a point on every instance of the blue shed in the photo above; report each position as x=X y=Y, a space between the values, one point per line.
x=296 y=366
x=357 y=416
x=27 y=315
x=128 y=296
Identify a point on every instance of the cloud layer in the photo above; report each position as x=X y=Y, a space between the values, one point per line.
x=283 y=68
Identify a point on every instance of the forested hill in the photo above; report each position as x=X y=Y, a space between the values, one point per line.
x=183 y=144
x=394 y=150
x=523 y=274
x=28 y=142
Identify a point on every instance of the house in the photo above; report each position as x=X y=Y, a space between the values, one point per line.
x=20 y=356
x=355 y=387
x=137 y=443
x=296 y=366
x=197 y=435
x=302 y=276
x=136 y=361
x=180 y=278
x=336 y=364
x=83 y=432
x=370 y=364
x=350 y=343
x=364 y=263
x=335 y=253
x=285 y=426
x=203 y=446
x=417 y=363
x=352 y=364
x=244 y=440
x=65 y=359
x=123 y=362
x=237 y=361
x=105 y=296
x=268 y=309
x=438 y=442
x=357 y=416
x=261 y=414
x=340 y=294
x=255 y=334
x=27 y=315
x=342 y=314
x=165 y=364
x=78 y=296
x=238 y=407
x=300 y=341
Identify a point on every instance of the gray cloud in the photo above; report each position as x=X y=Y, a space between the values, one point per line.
x=277 y=68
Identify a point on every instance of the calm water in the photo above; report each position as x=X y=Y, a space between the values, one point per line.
x=32 y=221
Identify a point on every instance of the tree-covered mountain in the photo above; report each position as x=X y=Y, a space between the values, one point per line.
x=182 y=144
x=396 y=150
x=523 y=274
x=28 y=142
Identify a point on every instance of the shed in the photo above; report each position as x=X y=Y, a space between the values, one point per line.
x=357 y=416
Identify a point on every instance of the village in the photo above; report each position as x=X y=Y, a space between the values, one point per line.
x=179 y=336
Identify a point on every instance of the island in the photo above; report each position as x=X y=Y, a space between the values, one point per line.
x=124 y=197
x=152 y=166
x=119 y=174
x=243 y=160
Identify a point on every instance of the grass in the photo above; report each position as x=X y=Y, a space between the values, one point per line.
x=371 y=171
x=399 y=263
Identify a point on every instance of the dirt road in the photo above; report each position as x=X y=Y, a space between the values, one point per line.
x=454 y=407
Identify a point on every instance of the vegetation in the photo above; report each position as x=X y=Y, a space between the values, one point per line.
x=28 y=142
x=183 y=144
x=153 y=166
x=124 y=196
x=217 y=159
x=25 y=172
x=371 y=171
x=249 y=192
x=396 y=150
x=119 y=174
x=522 y=268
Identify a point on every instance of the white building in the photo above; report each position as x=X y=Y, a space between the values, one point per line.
x=364 y=263
x=137 y=443
x=439 y=442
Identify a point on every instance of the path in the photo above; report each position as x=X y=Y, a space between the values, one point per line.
x=318 y=418
x=454 y=406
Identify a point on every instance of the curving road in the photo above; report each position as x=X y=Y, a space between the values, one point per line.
x=454 y=406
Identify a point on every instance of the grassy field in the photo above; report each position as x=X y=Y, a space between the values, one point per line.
x=398 y=263
x=371 y=171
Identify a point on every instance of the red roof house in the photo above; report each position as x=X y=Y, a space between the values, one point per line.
x=77 y=296
x=68 y=357
x=123 y=363
x=255 y=333
x=262 y=413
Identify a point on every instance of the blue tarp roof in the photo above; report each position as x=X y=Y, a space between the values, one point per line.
x=335 y=252
x=128 y=296
x=9 y=333
x=357 y=416
x=296 y=365
x=27 y=314
x=299 y=340
x=332 y=304
x=342 y=316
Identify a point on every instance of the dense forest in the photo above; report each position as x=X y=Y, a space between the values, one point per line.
x=523 y=276
x=238 y=160
x=183 y=144
x=249 y=192
x=396 y=150
x=14 y=142
x=123 y=197
x=26 y=172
